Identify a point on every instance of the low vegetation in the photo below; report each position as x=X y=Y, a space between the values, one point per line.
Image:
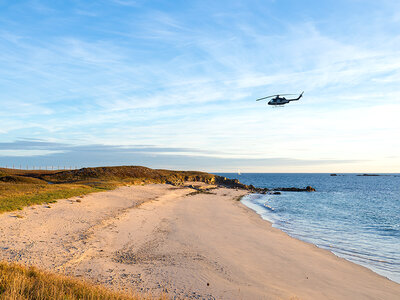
x=20 y=188
x=15 y=196
x=128 y=174
x=19 y=282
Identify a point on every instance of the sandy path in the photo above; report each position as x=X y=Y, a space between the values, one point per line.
x=155 y=238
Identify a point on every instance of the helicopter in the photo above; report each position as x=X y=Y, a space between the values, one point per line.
x=278 y=100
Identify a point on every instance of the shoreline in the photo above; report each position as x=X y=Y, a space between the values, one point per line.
x=272 y=223
x=348 y=253
x=158 y=238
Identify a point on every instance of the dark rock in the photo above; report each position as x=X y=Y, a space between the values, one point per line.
x=310 y=189
x=369 y=175
x=294 y=189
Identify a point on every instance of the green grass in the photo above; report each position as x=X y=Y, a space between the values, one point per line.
x=16 y=196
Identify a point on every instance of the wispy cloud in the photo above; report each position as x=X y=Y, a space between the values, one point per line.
x=125 y=2
x=186 y=77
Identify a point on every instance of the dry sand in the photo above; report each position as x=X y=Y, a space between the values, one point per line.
x=157 y=238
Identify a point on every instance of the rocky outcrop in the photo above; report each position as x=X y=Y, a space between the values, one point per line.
x=295 y=189
x=369 y=175
x=235 y=183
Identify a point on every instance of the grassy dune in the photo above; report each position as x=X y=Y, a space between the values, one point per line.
x=131 y=174
x=18 y=282
x=20 y=188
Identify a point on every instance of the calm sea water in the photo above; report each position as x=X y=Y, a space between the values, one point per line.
x=355 y=217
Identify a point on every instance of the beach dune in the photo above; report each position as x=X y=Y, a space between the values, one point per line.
x=160 y=238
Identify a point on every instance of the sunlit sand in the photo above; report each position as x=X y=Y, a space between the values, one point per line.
x=160 y=238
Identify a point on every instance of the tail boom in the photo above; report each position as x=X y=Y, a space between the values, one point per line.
x=296 y=99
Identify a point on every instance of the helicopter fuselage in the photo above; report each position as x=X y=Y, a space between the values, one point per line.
x=278 y=101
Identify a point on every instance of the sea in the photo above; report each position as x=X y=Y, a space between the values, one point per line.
x=355 y=217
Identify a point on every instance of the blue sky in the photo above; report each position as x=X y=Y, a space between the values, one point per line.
x=172 y=84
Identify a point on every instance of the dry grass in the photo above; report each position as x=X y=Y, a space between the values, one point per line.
x=19 y=282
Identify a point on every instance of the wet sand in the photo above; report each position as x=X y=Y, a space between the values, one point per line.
x=159 y=238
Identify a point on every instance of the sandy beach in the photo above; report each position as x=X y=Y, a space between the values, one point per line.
x=160 y=238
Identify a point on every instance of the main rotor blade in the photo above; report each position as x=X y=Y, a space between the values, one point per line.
x=275 y=96
x=263 y=98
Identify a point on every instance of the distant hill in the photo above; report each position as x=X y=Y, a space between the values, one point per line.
x=127 y=173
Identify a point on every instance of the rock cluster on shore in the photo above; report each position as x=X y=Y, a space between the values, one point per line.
x=235 y=183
